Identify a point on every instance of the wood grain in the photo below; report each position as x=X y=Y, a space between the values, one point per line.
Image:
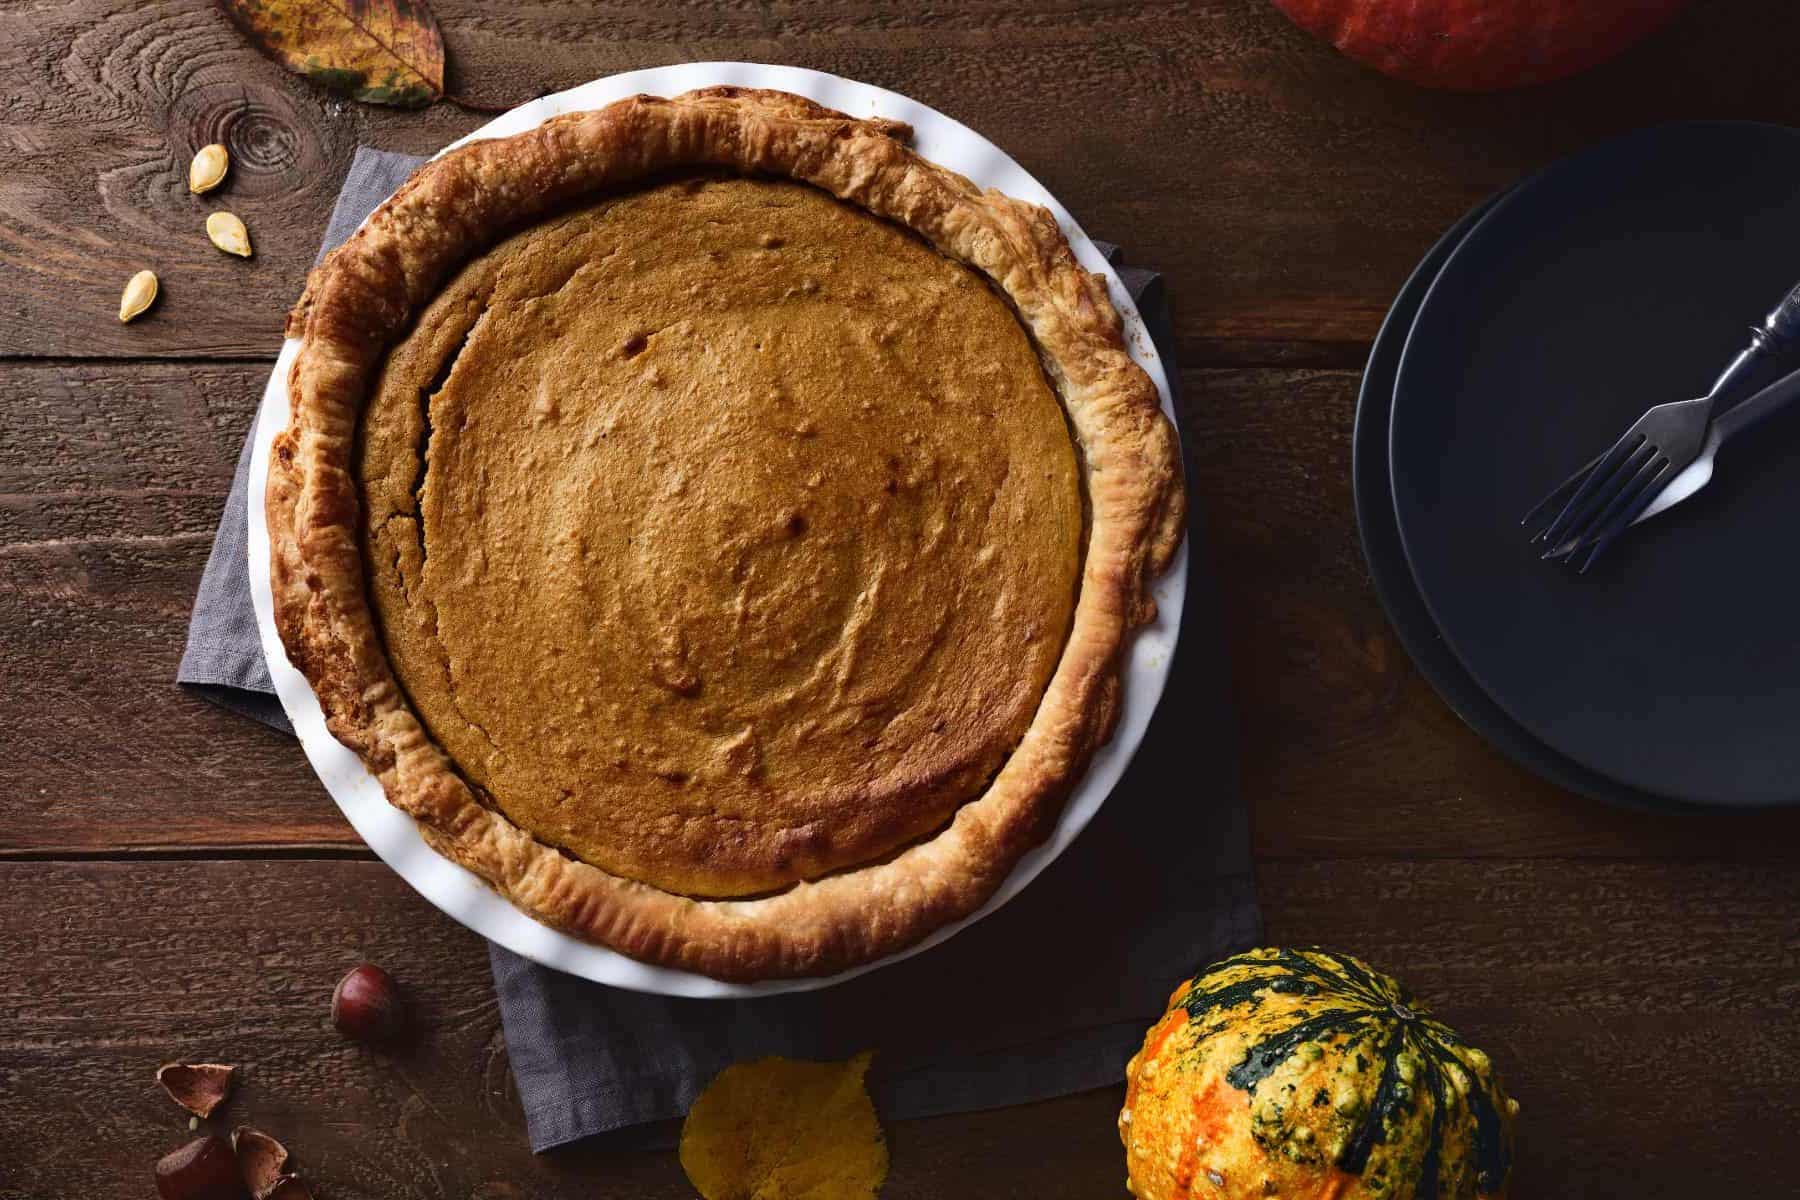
x=112 y=477
x=1595 y=987
x=1285 y=190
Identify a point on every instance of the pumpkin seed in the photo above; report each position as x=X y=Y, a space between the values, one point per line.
x=207 y=171
x=140 y=294
x=228 y=234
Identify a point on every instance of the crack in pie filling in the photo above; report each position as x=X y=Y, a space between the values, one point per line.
x=718 y=526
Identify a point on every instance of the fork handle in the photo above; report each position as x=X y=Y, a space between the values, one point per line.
x=1777 y=334
x=1758 y=408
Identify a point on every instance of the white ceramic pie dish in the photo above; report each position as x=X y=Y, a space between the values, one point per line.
x=394 y=836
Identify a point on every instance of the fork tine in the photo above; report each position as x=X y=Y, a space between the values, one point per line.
x=1619 y=492
x=1579 y=504
x=1556 y=495
x=1639 y=481
x=1625 y=459
x=1650 y=491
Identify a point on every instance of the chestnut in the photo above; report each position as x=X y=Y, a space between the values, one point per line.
x=367 y=1007
x=204 y=1169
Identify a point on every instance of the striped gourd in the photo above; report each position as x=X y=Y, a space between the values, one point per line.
x=1303 y=1073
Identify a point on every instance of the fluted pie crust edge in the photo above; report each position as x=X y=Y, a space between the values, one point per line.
x=366 y=293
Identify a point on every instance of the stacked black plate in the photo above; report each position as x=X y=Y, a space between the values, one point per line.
x=1533 y=334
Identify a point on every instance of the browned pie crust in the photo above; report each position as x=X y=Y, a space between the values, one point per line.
x=886 y=882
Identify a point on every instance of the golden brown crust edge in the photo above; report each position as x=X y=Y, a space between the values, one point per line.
x=366 y=292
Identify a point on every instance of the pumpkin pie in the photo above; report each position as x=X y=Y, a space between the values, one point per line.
x=719 y=526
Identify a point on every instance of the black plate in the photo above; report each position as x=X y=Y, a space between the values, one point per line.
x=1615 y=280
x=1372 y=488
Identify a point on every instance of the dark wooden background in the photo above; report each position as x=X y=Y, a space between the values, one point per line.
x=177 y=885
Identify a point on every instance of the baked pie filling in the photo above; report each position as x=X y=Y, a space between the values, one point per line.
x=718 y=526
x=722 y=534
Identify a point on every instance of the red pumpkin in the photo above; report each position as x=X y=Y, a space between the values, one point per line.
x=1479 y=45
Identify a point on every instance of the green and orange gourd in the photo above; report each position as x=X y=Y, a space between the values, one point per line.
x=1309 y=1075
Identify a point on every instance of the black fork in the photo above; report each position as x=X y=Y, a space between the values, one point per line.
x=1598 y=502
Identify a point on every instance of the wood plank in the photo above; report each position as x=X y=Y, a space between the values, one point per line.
x=111 y=482
x=1616 y=999
x=1285 y=190
x=112 y=476
x=1612 y=996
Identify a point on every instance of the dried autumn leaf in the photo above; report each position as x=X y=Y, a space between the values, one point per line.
x=197 y=1087
x=378 y=51
x=776 y=1129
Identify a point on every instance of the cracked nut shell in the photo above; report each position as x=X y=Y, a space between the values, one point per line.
x=197 y=1087
x=260 y=1158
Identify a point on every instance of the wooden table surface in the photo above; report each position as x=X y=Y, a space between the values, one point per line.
x=177 y=884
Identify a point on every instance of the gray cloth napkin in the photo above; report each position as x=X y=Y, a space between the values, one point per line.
x=1048 y=996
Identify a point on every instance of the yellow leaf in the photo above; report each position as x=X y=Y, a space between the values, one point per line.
x=380 y=51
x=777 y=1129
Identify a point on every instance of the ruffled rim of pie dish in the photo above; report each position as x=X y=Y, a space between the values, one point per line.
x=366 y=293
